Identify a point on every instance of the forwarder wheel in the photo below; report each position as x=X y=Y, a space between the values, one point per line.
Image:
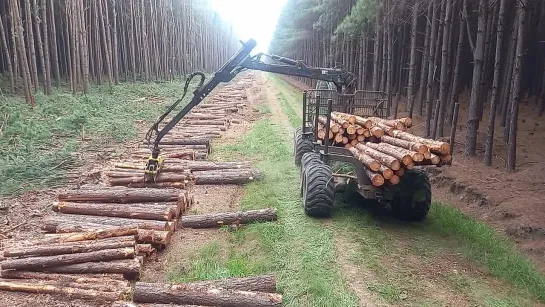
x=300 y=146
x=318 y=189
x=413 y=199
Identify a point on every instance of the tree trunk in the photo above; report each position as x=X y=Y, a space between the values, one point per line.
x=71 y=248
x=47 y=59
x=37 y=23
x=110 y=279
x=541 y=106
x=431 y=68
x=31 y=48
x=41 y=288
x=512 y=144
x=121 y=195
x=87 y=236
x=478 y=57
x=384 y=159
x=440 y=116
x=132 y=35
x=508 y=79
x=144 y=211
x=412 y=64
x=455 y=90
x=104 y=33
x=489 y=145
x=371 y=163
x=226 y=177
x=376 y=50
x=414 y=146
x=130 y=268
x=56 y=70
x=154 y=237
x=404 y=155
x=221 y=219
x=54 y=222
x=114 y=44
x=82 y=32
x=25 y=70
x=60 y=260
x=7 y=52
x=150 y=293
x=425 y=62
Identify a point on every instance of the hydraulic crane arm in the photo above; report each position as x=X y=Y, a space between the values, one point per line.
x=241 y=61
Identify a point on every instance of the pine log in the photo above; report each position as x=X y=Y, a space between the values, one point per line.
x=59 y=260
x=227 y=218
x=184 y=294
x=367 y=133
x=394 y=180
x=352 y=136
x=170 y=148
x=226 y=177
x=120 y=195
x=434 y=146
x=360 y=138
x=354 y=142
x=386 y=172
x=403 y=155
x=339 y=120
x=344 y=116
x=384 y=159
x=261 y=283
x=70 y=248
x=394 y=123
x=380 y=129
x=351 y=129
x=418 y=147
x=204 y=122
x=435 y=159
x=130 y=268
x=71 y=219
x=158 y=185
x=144 y=212
x=186 y=141
x=92 y=235
x=407 y=121
x=376 y=179
x=359 y=129
x=144 y=250
x=161 y=178
x=115 y=280
x=204 y=166
x=409 y=166
x=154 y=237
x=348 y=146
x=72 y=227
x=51 y=289
x=371 y=163
x=333 y=127
x=447 y=159
x=131 y=304
x=400 y=172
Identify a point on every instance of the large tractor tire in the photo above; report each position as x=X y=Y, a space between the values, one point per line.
x=412 y=201
x=300 y=146
x=318 y=189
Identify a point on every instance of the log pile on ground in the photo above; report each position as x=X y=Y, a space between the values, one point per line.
x=384 y=146
x=179 y=173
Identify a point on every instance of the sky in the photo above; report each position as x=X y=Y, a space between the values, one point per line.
x=251 y=18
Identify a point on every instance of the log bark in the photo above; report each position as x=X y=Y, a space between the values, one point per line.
x=384 y=159
x=158 y=185
x=376 y=179
x=110 y=279
x=140 y=178
x=131 y=304
x=59 y=260
x=228 y=218
x=41 y=288
x=418 y=147
x=155 y=237
x=150 y=293
x=261 y=283
x=394 y=123
x=68 y=219
x=144 y=250
x=234 y=177
x=205 y=166
x=187 y=141
x=70 y=248
x=144 y=212
x=398 y=152
x=130 y=268
x=92 y=235
x=120 y=195
x=368 y=161
x=434 y=146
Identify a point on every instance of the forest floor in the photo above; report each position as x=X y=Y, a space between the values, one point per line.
x=358 y=257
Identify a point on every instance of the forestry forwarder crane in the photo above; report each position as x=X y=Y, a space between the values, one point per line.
x=241 y=61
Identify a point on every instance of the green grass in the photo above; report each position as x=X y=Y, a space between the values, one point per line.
x=445 y=228
x=37 y=145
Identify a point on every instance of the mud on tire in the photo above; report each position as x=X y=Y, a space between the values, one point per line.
x=317 y=187
x=413 y=199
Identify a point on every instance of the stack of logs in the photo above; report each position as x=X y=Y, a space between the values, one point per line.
x=178 y=173
x=100 y=230
x=384 y=146
x=186 y=146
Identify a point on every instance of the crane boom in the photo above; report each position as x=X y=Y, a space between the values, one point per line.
x=241 y=61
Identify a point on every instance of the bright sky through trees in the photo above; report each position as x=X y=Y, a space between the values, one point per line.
x=251 y=18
